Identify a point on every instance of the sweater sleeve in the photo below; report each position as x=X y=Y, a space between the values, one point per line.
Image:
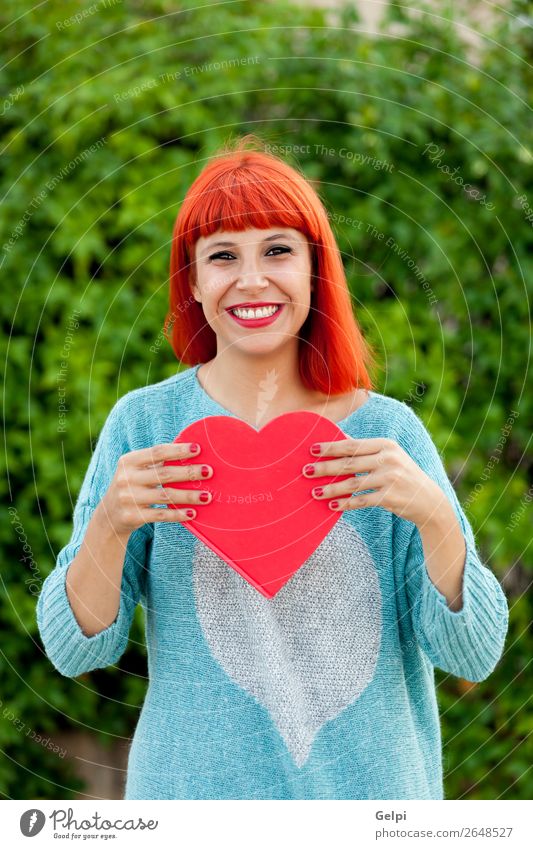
x=467 y=642
x=69 y=649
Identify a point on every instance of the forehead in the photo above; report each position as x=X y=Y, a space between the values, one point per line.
x=227 y=238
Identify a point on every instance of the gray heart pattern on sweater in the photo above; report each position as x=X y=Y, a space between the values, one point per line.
x=310 y=651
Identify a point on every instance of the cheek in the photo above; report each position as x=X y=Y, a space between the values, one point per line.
x=300 y=290
x=296 y=282
x=213 y=288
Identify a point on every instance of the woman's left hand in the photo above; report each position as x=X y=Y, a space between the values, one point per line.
x=398 y=483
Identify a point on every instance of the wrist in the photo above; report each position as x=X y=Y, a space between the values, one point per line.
x=439 y=512
x=103 y=522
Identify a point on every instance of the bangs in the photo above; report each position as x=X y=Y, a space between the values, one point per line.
x=242 y=200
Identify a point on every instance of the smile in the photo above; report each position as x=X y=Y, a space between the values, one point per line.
x=255 y=317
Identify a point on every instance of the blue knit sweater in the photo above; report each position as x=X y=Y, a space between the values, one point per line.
x=325 y=691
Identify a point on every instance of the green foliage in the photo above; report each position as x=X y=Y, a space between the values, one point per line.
x=93 y=174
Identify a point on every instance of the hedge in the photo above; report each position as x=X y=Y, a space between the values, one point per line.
x=417 y=142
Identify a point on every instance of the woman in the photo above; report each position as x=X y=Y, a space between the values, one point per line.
x=326 y=690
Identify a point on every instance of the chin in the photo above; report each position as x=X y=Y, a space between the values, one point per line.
x=259 y=346
x=263 y=345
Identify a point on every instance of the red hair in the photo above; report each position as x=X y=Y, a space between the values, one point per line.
x=241 y=189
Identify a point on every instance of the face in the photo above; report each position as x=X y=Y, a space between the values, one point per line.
x=263 y=274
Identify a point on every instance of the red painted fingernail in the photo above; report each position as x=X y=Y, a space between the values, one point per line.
x=191 y=513
x=195 y=448
x=333 y=504
x=205 y=471
x=309 y=469
x=315 y=449
x=204 y=497
x=318 y=491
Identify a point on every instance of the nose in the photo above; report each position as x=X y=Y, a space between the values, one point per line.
x=251 y=281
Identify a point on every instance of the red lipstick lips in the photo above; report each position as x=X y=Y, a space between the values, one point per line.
x=255 y=322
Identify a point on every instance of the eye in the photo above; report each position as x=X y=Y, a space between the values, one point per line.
x=281 y=248
x=219 y=254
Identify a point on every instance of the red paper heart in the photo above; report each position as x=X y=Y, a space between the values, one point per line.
x=262 y=520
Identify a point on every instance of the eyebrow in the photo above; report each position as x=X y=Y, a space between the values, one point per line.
x=232 y=244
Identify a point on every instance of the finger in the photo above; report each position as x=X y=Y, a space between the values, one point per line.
x=354 y=447
x=164 y=451
x=347 y=486
x=344 y=465
x=371 y=499
x=173 y=474
x=143 y=516
x=171 y=495
x=168 y=514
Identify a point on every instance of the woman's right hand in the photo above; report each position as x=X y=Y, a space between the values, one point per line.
x=136 y=485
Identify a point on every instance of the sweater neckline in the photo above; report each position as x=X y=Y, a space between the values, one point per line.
x=218 y=409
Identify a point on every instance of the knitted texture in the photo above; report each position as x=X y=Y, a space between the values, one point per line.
x=325 y=691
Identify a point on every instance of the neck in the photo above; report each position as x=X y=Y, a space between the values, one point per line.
x=258 y=387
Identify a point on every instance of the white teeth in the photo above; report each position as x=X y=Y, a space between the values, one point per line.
x=260 y=312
